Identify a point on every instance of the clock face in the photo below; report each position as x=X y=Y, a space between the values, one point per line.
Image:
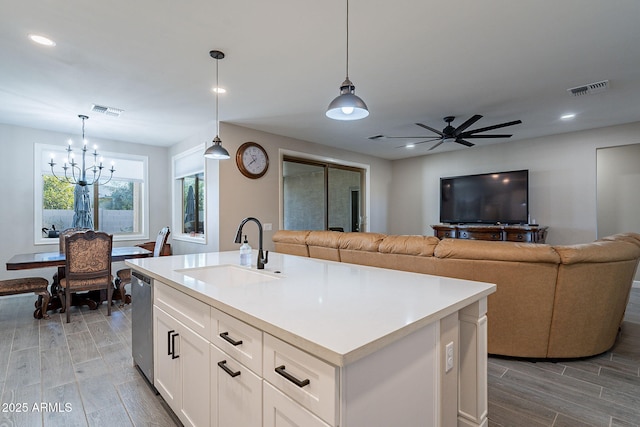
x=252 y=160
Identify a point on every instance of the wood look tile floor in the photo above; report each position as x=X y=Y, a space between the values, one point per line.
x=83 y=374
x=603 y=390
x=54 y=373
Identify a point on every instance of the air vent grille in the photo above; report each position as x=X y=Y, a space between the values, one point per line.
x=590 y=88
x=109 y=111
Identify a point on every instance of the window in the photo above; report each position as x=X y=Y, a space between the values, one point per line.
x=117 y=207
x=189 y=199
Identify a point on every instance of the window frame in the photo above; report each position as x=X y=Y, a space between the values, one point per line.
x=41 y=149
x=198 y=166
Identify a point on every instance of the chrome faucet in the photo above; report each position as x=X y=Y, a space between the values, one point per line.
x=262 y=258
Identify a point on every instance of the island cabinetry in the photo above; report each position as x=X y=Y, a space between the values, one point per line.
x=181 y=368
x=306 y=380
x=236 y=392
x=236 y=372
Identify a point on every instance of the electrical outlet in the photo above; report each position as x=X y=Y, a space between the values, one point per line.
x=267 y=226
x=449 y=357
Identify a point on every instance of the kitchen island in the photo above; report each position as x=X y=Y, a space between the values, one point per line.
x=311 y=342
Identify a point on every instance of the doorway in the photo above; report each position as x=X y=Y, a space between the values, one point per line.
x=321 y=195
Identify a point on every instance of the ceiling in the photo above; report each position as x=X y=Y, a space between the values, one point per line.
x=410 y=60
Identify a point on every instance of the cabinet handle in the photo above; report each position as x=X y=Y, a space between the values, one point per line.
x=169 y=342
x=225 y=336
x=223 y=365
x=173 y=346
x=280 y=370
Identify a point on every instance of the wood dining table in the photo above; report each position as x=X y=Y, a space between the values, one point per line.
x=57 y=259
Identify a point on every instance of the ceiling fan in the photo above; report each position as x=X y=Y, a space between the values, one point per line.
x=457 y=135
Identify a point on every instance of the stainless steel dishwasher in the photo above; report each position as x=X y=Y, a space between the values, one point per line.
x=142 y=324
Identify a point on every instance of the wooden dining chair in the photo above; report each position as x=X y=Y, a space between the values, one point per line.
x=88 y=265
x=123 y=276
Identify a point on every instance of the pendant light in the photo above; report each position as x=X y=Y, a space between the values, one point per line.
x=217 y=151
x=347 y=106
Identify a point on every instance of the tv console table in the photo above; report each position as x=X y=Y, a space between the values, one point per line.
x=507 y=233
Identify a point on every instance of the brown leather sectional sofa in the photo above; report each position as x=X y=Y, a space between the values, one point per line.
x=552 y=301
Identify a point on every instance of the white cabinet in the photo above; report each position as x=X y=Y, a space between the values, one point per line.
x=236 y=392
x=307 y=380
x=181 y=366
x=281 y=411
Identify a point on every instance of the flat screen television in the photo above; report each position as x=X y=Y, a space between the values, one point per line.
x=490 y=198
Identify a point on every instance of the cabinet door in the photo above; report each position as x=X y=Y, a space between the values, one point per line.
x=236 y=392
x=280 y=411
x=166 y=372
x=182 y=369
x=193 y=353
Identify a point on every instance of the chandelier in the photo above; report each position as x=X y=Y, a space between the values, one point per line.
x=75 y=173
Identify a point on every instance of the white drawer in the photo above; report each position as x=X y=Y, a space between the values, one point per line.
x=240 y=340
x=192 y=313
x=279 y=410
x=306 y=379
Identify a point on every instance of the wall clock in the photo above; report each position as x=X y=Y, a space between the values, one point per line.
x=252 y=160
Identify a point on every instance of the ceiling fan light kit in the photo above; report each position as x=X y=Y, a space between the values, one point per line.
x=347 y=106
x=217 y=151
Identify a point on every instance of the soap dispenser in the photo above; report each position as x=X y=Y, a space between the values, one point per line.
x=245 y=253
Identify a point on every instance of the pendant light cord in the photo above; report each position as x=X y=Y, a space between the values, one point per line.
x=347 y=39
x=217 y=94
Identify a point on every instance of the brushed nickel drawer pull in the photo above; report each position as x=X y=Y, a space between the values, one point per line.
x=280 y=370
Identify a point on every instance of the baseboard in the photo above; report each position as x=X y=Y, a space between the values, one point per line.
x=636 y=284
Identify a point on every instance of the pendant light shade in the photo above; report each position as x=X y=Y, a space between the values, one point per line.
x=217 y=151
x=347 y=106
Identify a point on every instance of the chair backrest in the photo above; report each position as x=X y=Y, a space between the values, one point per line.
x=161 y=240
x=88 y=258
x=68 y=232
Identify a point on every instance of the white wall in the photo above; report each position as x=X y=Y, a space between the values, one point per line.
x=240 y=197
x=17 y=189
x=562 y=180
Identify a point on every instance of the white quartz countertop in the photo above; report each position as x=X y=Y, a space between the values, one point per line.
x=337 y=311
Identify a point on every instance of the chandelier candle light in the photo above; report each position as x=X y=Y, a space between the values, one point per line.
x=77 y=174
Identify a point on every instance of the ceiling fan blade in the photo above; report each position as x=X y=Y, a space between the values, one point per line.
x=502 y=125
x=419 y=142
x=431 y=129
x=466 y=124
x=408 y=137
x=441 y=141
x=463 y=142
x=485 y=136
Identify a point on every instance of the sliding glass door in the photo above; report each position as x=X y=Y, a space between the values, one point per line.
x=322 y=196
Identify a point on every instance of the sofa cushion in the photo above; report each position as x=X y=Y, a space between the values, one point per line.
x=292 y=242
x=598 y=252
x=409 y=245
x=360 y=241
x=496 y=251
x=627 y=237
x=324 y=244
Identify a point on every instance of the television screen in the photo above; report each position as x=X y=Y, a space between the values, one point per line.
x=491 y=198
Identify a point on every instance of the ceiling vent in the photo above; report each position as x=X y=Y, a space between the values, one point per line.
x=109 y=111
x=589 y=89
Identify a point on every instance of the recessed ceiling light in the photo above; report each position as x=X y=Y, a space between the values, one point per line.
x=44 y=41
x=410 y=145
x=219 y=90
x=567 y=116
